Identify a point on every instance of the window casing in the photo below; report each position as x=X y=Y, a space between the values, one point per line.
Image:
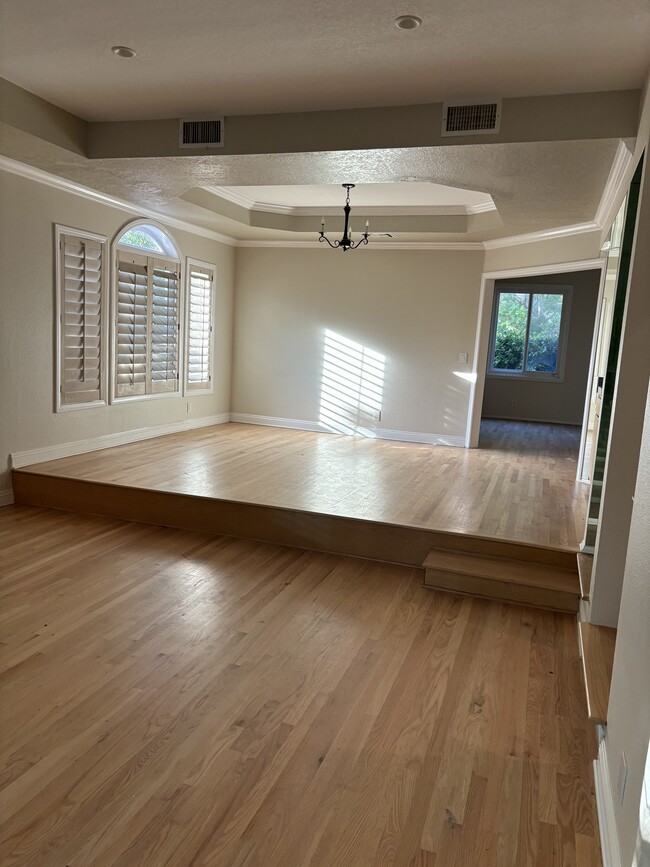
x=80 y=336
x=199 y=326
x=528 y=338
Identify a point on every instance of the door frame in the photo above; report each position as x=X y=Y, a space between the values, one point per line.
x=483 y=330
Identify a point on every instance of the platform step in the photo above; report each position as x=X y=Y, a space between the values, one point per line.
x=597 y=645
x=526 y=582
x=585 y=565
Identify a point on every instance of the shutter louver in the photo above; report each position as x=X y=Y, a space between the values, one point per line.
x=146 y=325
x=199 y=329
x=81 y=320
x=164 y=327
x=132 y=326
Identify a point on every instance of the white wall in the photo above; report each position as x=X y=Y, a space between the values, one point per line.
x=628 y=716
x=418 y=308
x=552 y=401
x=27 y=419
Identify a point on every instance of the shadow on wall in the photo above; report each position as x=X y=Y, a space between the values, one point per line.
x=352 y=386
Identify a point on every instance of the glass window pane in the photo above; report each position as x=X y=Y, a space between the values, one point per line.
x=544 y=336
x=510 y=336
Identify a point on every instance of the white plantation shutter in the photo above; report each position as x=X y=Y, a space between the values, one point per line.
x=81 y=319
x=164 y=326
x=132 y=325
x=198 y=370
x=146 y=326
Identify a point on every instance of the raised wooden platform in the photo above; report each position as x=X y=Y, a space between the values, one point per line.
x=373 y=540
x=597 y=644
x=385 y=501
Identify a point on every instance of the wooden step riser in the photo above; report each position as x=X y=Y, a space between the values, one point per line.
x=504 y=591
x=300 y=529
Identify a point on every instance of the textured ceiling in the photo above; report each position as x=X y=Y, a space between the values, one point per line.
x=535 y=185
x=199 y=56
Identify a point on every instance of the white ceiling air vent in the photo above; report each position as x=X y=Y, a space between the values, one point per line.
x=201 y=133
x=471 y=117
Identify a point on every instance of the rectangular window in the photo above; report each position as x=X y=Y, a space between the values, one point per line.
x=147 y=325
x=529 y=330
x=199 y=344
x=80 y=332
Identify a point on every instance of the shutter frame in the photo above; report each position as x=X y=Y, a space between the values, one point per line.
x=81 y=320
x=199 y=330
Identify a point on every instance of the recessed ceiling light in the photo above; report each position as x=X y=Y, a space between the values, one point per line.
x=123 y=51
x=408 y=22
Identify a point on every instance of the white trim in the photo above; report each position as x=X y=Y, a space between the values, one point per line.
x=483 y=325
x=379 y=433
x=538 y=270
x=243 y=201
x=565 y=318
x=190 y=261
x=107 y=441
x=533 y=421
x=595 y=340
x=6 y=497
x=373 y=245
x=17 y=168
x=542 y=235
x=612 y=190
x=59 y=231
x=605 y=806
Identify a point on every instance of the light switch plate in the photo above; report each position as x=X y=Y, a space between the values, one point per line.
x=462 y=357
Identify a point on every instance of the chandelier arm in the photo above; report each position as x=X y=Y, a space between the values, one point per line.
x=324 y=237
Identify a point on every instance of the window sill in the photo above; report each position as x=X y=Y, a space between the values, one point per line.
x=134 y=398
x=527 y=377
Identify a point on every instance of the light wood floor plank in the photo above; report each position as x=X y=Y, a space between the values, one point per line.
x=197 y=700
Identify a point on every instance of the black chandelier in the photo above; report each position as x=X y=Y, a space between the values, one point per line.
x=346 y=242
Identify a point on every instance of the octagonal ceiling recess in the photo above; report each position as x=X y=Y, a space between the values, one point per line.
x=391 y=207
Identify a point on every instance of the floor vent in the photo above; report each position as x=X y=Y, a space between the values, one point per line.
x=471 y=118
x=201 y=133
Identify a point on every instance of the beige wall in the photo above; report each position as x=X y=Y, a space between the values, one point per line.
x=628 y=717
x=418 y=308
x=550 y=251
x=27 y=420
x=552 y=401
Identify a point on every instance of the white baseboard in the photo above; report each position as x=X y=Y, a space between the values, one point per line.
x=107 y=441
x=531 y=420
x=378 y=433
x=605 y=804
x=271 y=421
x=6 y=497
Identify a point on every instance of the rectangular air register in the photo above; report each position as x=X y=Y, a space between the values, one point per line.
x=471 y=117
x=201 y=133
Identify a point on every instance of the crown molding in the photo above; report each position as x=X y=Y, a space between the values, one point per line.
x=32 y=173
x=373 y=245
x=334 y=210
x=617 y=173
x=542 y=235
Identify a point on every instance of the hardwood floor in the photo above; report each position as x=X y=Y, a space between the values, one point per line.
x=519 y=485
x=171 y=698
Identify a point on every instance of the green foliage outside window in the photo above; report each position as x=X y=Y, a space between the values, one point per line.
x=543 y=327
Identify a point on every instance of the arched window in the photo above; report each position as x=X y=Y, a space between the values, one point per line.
x=146 y=236
x=147 y=305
